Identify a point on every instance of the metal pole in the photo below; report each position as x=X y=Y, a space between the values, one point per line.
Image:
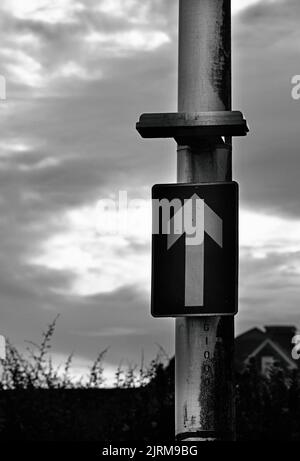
x=204 y=345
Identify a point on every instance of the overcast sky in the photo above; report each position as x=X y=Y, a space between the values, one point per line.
x=79 y=74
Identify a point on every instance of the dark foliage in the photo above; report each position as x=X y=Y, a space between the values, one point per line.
x=268 y=408
x=40 y=403
x=144 y=413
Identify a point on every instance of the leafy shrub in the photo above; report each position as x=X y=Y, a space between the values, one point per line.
x=40 y=402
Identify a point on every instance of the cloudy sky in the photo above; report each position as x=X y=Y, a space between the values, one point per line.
x=79 y=73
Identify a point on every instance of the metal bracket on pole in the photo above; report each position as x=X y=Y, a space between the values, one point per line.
x=186 y=128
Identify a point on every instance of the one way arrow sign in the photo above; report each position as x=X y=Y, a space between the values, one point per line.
x=203 y=219
x=195 y=249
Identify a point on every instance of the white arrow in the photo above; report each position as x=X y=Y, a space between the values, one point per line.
x=198 y=218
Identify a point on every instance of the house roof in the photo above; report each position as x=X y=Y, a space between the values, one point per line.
x=253 y=340
x=282 y=335
x=246 y=343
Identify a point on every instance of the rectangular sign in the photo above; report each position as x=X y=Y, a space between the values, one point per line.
x=194 y=249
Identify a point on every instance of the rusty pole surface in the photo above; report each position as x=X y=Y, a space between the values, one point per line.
x=204 y=345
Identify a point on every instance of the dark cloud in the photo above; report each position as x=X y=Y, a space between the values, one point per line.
x=269 y=289
x=266 y=58
x=120 y=321
x=86 y=122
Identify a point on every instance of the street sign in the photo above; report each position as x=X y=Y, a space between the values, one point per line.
x=194 y=249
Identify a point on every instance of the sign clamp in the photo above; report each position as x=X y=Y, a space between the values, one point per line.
x=186 y=127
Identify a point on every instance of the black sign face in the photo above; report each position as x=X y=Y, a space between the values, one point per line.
x=194 y=249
